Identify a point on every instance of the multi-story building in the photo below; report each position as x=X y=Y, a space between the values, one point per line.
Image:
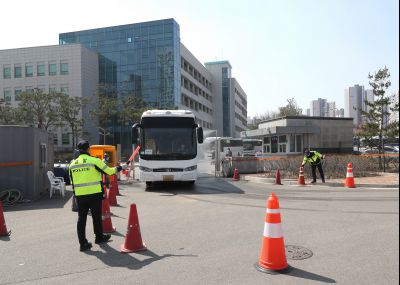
x=148 y=60
x=340 y=113
x=353 y=103
x=230 y=101
x=318 y=108
x=394 y=115
x=196 y=89
x=330 y=110
x=69 y=69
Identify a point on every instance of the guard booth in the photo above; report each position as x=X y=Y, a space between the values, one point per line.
x=25 y=157
x=100 y=150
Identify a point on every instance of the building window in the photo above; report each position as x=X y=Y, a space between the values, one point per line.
x=7 y=94
x=64 y=68
x=28 y=70
x=298 y=144
x=282 y=143
x=41 y=69
x=65 y=138
x=17 y=72
x=52 y=89
x=267 y=144
x=64 y=90
x=292 y=143
x=52 y=69
x=17 y=94
x=55 y=138
x=6 y=72
x=29 y=89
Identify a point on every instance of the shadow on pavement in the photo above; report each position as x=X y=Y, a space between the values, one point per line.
x=44 y=202
x=217 y=186
x=114 y=258
x=296 y=272
x=5 y=238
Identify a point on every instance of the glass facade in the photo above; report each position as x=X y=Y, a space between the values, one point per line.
x=140 y=59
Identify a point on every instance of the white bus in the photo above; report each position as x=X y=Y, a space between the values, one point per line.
x=168 y=140
x=251 y=147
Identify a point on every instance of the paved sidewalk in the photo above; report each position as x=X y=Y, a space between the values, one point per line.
x=385 y=180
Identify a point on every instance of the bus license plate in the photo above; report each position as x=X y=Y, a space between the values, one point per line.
x=168 y=178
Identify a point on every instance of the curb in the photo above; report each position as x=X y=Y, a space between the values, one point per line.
x=332 y=184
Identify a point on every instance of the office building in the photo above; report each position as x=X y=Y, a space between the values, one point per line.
x=146 y=60
x=70 y=69
x=230 y=101
x=149 y=61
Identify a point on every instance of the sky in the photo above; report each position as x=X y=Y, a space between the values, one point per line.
x=282 y=49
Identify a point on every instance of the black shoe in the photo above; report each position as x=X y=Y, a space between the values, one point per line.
x=85 y=246
x=323 y=181
x=103 y=238
x=313 y=182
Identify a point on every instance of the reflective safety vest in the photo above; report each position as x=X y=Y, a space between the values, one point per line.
x=315 y=158
x=86 y=175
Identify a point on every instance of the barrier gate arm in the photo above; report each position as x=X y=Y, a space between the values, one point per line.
x=133 y=155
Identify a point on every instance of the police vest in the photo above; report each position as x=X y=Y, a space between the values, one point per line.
x=86 y=176
x=314 y=159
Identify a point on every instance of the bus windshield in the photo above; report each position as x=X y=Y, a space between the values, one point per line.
x=168 y=141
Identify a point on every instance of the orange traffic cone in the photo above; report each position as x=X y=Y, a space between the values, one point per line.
x=114 y=184
x=133 y=238
x=278 y=178
x=236 y=175
x=273 y=257
x=301 y=180
x=3 y=227
x=112 y=197
x=349 y=182
x=106 y=217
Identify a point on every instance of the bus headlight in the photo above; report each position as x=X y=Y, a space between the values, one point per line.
x=146 y=169
x=190 y=168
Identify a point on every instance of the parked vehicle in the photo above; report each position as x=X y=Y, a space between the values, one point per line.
x=61 y=170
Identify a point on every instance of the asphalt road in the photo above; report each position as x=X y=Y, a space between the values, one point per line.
x=210 y=234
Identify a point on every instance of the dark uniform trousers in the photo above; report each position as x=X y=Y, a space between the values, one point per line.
x=321 y=172
x=94 y=203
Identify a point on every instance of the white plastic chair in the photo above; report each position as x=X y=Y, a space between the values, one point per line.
x=56 y=183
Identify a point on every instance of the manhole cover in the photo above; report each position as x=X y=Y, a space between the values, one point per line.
x=297 y=252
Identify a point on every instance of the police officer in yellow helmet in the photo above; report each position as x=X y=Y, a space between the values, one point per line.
x=85 y=172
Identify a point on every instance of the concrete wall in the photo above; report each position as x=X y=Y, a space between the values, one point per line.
x=21 y=144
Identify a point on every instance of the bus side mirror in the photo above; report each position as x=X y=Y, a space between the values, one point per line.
x=135 y=133
x=200 y=136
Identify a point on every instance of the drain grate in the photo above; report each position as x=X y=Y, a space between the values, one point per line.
x=297 y=252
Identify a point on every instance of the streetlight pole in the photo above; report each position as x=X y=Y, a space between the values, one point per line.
x=104 y=133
